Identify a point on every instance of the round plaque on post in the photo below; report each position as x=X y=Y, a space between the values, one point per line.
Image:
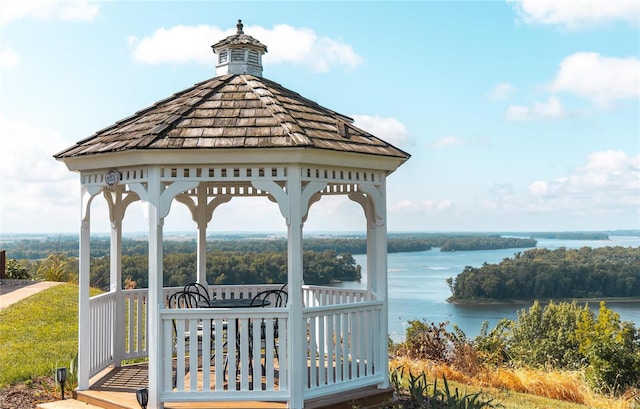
x=112 y=177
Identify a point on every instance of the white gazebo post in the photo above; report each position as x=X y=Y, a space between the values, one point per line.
x=201 y=213
x=380 y=279
x=155 y=301
x=117 y=201
x=202 y=220
x=296 y=334
x=84 y=278
x=373 y=203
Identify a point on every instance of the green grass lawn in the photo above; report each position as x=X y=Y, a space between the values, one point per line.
x=40 y=333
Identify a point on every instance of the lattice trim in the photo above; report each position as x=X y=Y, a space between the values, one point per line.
x=236 y=180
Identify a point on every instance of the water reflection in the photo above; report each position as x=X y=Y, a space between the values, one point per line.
x=418 y=288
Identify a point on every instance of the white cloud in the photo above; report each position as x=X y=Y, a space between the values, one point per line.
x=575 y=14
x=501 y=92
x=447 y=141
x=602 y=193
x=539 y=188
x=434 y=205
x=8 y=57
x=66 y=10
x=552 y=109
x=285 y=44
x=178 y=44
x=388 y=129
x=33 y=184
x=430 y=206
x=608 y=180
x=601 y=79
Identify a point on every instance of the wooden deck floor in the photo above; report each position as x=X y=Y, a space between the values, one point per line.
x=116 y=389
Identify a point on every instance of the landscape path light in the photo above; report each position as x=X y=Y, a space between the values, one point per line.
x=142 y=395
x=61 y=378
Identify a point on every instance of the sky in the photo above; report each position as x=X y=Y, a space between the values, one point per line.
x=519 y=115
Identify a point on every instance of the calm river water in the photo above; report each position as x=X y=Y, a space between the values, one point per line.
x=418 y=290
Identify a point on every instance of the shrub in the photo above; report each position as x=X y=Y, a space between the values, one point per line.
x=428 y=341
x=612 y=349
x=493 y=345
x=56 y=267
x=546 y=336
x=413 y=391
x=16 y=270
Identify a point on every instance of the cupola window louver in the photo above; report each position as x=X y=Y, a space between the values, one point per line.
x=224 y=55
x=254 y=57
x=237 y=54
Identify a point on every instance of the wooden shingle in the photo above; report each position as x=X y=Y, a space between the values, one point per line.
x=233 y=111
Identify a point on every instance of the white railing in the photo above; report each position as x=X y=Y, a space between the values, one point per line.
x=212 y=354
x=208 y=354
x=135 y=330
x=343 y=346
x=103 y=318
x=239 y=291
x=315 y=296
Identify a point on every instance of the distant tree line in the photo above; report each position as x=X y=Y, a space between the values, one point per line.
x=553 y=274
x=485 y=243
x=572 y=235
x=223 y=267
x=32 y=249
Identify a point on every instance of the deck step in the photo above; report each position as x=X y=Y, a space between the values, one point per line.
x=66 y=404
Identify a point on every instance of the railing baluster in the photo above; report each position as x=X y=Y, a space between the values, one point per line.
x=312 y=352
x=255 y=357
x=168 y=355
x=219 y=354
x=244 y=354
x=322 y=350
x=195 y=343
x=180 y=354
x=268 y=354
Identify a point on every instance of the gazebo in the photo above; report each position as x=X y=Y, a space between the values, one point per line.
x=235 y=135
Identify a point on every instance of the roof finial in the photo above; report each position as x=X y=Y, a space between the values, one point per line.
x=239 y=27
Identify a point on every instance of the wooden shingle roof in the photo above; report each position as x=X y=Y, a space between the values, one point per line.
x=233 y=111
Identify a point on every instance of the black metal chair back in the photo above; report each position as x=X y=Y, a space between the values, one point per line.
x=196 y=287
x=189 y=299
x=276 y=298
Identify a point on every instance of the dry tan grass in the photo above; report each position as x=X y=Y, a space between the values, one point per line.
x=569 y=386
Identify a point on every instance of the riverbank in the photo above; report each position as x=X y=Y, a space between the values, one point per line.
x=470 y=303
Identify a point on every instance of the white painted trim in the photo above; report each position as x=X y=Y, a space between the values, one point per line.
x=253 y=157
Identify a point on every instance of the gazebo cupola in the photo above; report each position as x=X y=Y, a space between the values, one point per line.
x=239 y=54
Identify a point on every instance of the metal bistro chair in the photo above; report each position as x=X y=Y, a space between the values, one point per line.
x=275 y=298
x=190 y=299
x=196 y=287
x=183 y=299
